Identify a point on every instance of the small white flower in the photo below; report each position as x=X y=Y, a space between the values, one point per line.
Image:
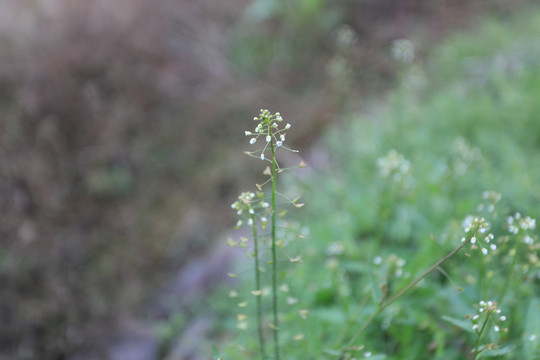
x=528 y=240
x=282 y=137
x=473 y=240
x=252 y=141
x=475 y=327
x=502 y=318
x=268 y=138
x=528 y=223
x=493 y=247
x=291 y=300
x=288 y=126
x=279 y=143
x=377 y=260
x=248 y=133
x=262 y=156
x=496 y=328
x=532 y=337
x=513 y=229
x=367 y=354
x=484 y=251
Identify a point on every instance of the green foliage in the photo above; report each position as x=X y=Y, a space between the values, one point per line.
x=282 y=36
x=531 y=347
x=395 y=198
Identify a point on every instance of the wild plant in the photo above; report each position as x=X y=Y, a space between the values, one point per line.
x=258 y=210
x=498 y=254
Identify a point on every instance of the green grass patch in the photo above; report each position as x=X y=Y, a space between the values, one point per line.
x=394 y=199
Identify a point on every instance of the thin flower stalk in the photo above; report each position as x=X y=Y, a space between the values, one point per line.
x=274 y=137
x=258 y=288
x=385 y=303
x=274 y=256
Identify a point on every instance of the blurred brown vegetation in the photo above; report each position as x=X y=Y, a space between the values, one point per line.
x=119 y=125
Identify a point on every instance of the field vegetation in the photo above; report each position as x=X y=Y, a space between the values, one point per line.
x=418 y=239
x=119 y=133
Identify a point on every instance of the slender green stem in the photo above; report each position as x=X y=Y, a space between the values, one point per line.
x=510 y=273
x=351 y=322
x=477 y=343
x=274 y=257
x=384 y=304
x=258 y=288
x=427 y=272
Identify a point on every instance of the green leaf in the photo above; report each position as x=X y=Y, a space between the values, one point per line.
x=330 y=315
x=215 y=353
x=332 y=352
x=462 y=324
x=531 y=349
x=496 y=352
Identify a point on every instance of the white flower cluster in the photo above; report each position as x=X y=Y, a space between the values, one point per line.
x=488 y=310
x=403 y=50
x=517 y=222
x=268 y=128
x=479 y=239
x=393 y=164
x=244 y=203
x=465 y=156
x=346 y=37
x=475 y=223
x=395 y=263
x=335 y=248
x=247 y=202
x=490 y=199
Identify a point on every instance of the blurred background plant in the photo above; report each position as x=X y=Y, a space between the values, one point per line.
x=118 y=126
